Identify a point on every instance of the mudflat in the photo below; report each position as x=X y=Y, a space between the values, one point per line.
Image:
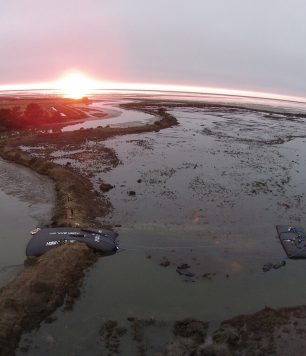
x=197 y=194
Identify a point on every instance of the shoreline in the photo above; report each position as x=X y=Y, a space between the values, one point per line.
x=62 y=267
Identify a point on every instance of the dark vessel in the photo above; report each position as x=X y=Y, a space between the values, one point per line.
x=46 y=239
x=293 y=239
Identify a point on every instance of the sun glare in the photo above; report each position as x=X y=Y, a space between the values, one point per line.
x=75 y=85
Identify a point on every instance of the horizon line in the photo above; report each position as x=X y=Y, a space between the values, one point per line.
x=153 y=87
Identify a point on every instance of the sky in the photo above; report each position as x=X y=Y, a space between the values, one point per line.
x=240 y=44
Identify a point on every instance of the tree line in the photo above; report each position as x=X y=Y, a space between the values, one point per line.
x=33 y=115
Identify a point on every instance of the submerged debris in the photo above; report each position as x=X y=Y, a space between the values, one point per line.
x=279 y=264
x=209 y=275
x=164 y=262
x=183 y=270
x=268 y=266
x=183 y=266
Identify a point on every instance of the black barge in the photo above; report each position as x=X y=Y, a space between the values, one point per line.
x=46 y=239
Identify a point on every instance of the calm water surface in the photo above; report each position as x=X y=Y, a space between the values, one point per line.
x=26 y=201
x=118 y=118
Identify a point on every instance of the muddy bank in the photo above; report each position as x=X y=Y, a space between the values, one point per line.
x=267 y=332
x=73 y=191
x=100 y=133
x=274 y=332
x=182 y=337
x=45 y=282
x=43 y=285
x=233 y=107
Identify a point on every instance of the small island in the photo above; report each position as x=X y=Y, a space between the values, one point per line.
x=36 y=113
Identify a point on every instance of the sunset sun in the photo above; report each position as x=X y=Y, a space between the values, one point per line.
x=75 y=85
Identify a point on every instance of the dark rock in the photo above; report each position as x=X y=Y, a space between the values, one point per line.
x=267 y=267
x=207 y=275
x=183 y=270
x=139 y=180
x=105 y=187
x=183 y=266
x=279 y=264
x=165 y=262
x=50 y=319
x=189 y=274
x=180 y=272
x=131 y=193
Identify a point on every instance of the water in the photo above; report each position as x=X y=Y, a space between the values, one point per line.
x=115 y=118
x=26 y=201
x=118 y=288
x=209 y=193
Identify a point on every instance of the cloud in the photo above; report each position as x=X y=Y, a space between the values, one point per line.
x=240 y=43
